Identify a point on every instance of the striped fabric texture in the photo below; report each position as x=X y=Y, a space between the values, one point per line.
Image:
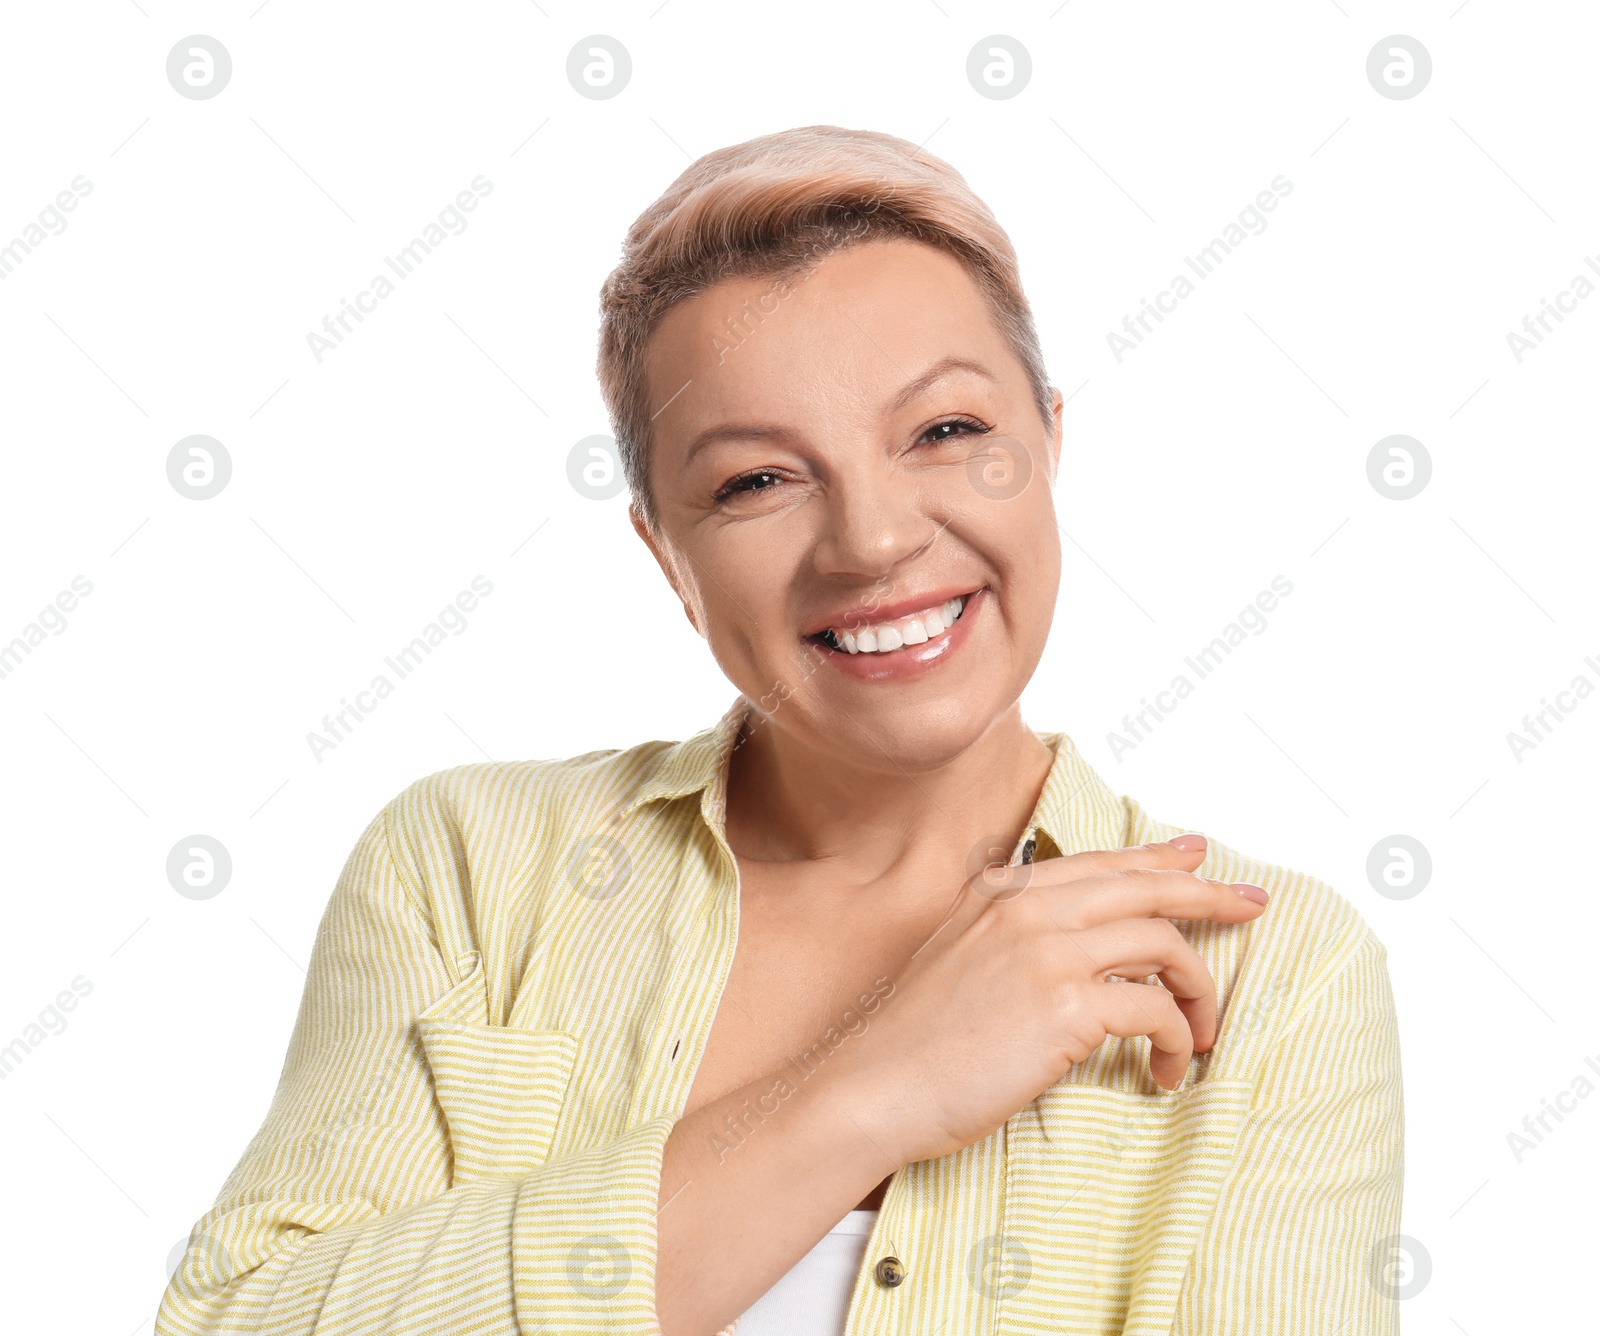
x=508 y=994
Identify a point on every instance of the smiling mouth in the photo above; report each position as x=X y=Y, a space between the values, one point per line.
x=896 y=633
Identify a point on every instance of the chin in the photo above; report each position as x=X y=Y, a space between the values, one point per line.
x=915 y=733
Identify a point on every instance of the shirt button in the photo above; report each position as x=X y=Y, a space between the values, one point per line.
x=890 y=1272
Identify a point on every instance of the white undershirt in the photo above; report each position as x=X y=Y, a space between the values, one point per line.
x=812 y=1298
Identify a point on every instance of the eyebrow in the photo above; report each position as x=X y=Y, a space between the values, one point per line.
x=906 y=395
x=935 y=373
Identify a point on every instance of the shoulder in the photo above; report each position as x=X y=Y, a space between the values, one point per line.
x=1310 y=909
x=498 y=791
x=468 y=822
x=1316 y=909
x=479 y=846
x=1278 y=966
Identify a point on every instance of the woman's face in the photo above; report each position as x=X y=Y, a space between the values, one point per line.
x=834 y=453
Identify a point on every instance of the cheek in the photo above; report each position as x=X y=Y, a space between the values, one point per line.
x=1020 y=542
x=747 y=598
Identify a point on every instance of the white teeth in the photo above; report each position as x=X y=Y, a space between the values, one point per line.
x=886 y=637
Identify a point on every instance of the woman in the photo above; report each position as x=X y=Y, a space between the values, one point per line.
x=868 y=1008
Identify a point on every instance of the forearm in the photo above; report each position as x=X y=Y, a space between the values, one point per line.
x=749 y=1183
x=558 y=1249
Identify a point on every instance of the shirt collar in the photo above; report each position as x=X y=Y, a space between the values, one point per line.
x=1076 y=810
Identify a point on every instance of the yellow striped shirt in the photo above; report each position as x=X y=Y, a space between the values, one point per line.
x=509 y=991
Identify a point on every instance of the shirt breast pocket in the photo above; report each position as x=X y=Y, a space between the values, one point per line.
x=1107 y=1191
x=502 y=1091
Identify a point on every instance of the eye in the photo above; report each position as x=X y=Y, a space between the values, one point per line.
x=952 y=428
x=756 y=480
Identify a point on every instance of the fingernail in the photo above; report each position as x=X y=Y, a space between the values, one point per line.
x=1250 y=891
x=1190 y=842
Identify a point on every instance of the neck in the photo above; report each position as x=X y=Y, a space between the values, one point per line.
x=791 y=801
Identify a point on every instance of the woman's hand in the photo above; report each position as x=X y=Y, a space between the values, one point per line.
x=1011 y=990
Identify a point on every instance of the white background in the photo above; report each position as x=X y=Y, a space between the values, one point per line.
x=369 y=488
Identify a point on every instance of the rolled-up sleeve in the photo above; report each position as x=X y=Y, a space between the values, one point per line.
x=1304 y=1238
x=341 y=1217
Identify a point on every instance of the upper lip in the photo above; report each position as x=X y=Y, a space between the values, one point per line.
x=864 y=612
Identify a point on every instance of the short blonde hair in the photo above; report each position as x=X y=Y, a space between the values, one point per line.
x=770 y=207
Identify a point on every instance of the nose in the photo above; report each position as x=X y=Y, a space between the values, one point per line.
x=874 y=520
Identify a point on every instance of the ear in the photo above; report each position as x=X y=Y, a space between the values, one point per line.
x=1054 y=442
x=668 y=568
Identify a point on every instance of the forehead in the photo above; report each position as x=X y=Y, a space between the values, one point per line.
x=842 y=336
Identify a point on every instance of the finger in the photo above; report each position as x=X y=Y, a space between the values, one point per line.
x=1201 y=1012
x=1135 y=949
x=1095 y=862
x=997 y=880
x=1128 y=1009
x=1149 y=893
